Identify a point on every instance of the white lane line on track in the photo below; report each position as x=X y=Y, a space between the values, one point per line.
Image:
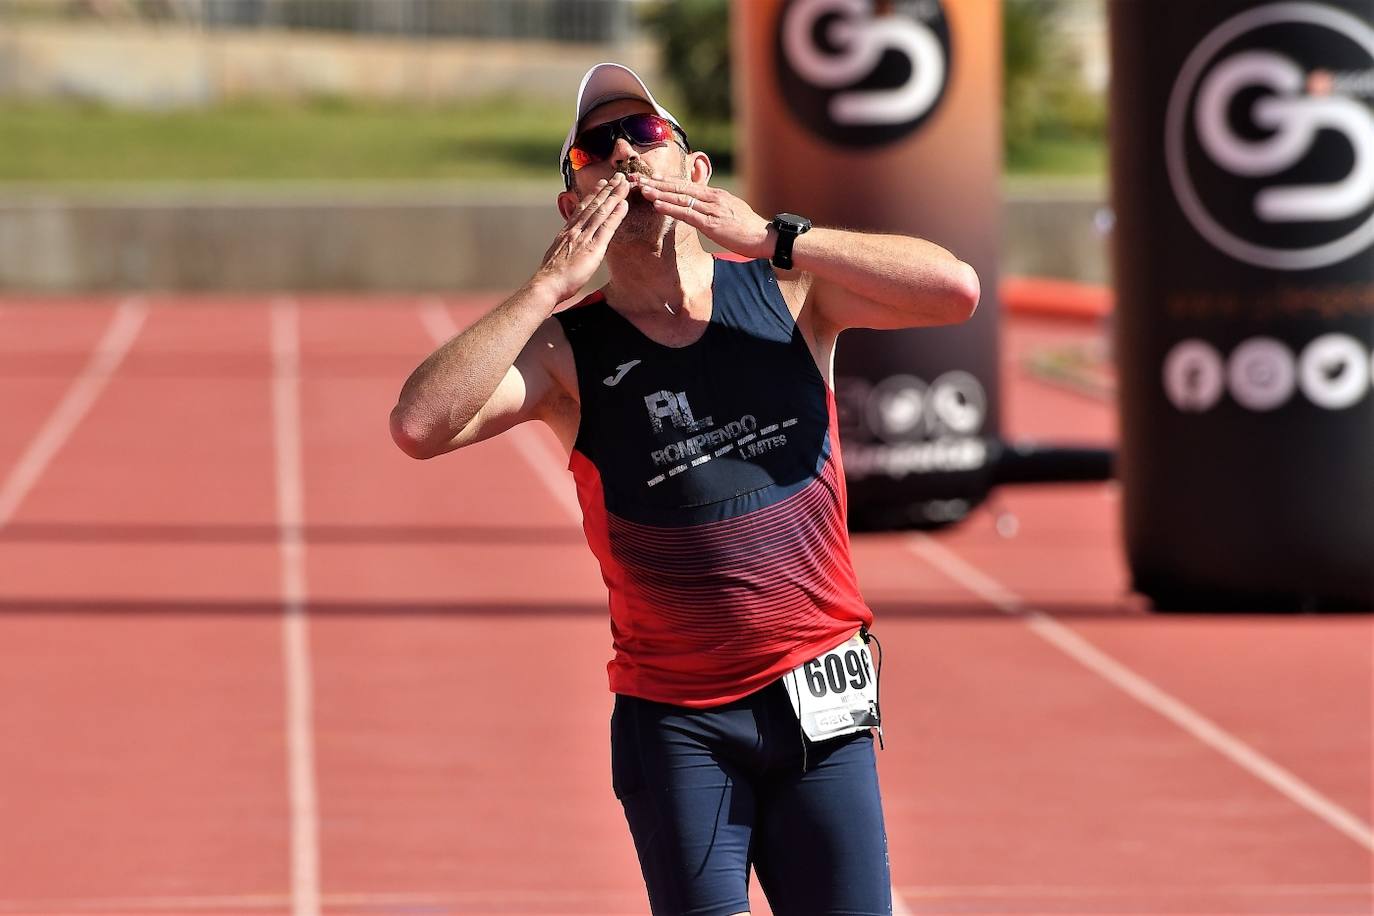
x=557 y=479
x=1142 y=690
x=85 y=388
x=1027 y=892
x=286 y=428
x=527 y=439
x=546 y=466
x=465 y=899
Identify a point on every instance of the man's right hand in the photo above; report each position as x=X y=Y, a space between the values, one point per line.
x=580 y=247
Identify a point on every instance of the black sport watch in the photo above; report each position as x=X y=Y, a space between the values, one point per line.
x=789 y=226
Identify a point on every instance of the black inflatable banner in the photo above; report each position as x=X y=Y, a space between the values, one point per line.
x=1243 y=183
x=884 y=116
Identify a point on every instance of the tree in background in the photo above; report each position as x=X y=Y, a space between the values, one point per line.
x=694 y=44
x=1043 y=94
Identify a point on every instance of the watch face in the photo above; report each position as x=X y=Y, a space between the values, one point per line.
x=791 y=222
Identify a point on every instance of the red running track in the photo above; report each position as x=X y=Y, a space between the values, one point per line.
x=254 y=660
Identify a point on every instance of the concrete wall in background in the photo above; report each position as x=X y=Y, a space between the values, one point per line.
x=414 y=238
x=1057 y=231
x=138 y=66
x=419 y=240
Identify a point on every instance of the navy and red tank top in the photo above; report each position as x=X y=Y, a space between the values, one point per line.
x=712 y=495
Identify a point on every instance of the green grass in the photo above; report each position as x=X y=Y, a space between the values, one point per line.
x=322 y=140
x=1056 y=157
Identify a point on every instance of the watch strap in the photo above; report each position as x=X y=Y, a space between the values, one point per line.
x=787 y=226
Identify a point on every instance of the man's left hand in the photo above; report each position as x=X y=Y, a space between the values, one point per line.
x=719 y=215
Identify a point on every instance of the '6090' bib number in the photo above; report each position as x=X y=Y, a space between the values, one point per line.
x=836 y=693
x=829 y=674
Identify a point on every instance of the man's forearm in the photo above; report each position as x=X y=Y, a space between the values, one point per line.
x=447 y=390
x=917 y=281
x=894 y=270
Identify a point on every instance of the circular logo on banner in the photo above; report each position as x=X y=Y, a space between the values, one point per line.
x=958 y=403
x=1193 y=376
x=896 y=409
x=1262 y=374
x=862 y=72
x=1333 y=371
x=1269 y=136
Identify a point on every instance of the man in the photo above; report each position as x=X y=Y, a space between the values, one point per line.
x=694 y=396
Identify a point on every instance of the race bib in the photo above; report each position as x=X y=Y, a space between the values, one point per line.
x=836 y=693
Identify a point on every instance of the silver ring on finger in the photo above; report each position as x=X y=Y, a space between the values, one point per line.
x=691 y=202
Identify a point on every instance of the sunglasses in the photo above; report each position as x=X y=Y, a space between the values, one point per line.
x=596 y=143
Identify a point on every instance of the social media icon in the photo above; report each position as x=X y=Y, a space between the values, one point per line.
x=1333 y=371
x=958 y=402
x=897 y=408
x=1193 y=377
x=1261 y=373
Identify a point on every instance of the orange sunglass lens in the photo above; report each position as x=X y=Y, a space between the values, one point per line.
x=577 y=158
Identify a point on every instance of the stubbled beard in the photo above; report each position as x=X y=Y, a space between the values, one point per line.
x=642 y=223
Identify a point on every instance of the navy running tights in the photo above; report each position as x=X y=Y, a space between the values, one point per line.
x=708 y=793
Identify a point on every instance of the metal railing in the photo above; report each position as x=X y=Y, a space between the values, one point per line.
x=543 y=20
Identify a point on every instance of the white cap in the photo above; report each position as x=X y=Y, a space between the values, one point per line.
x=603 y=83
